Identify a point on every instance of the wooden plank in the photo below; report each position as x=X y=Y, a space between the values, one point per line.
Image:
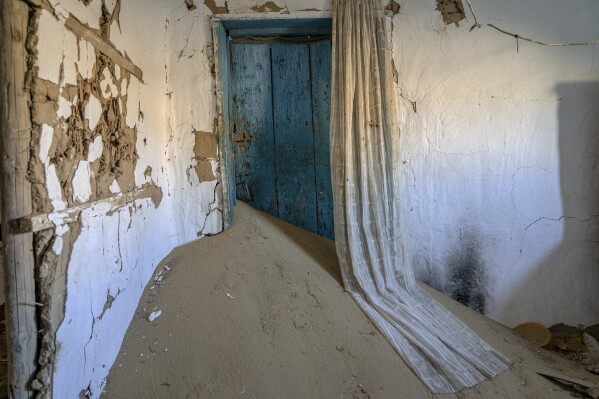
x=572 y=380
x=294 y=135
x=252 y=126
x=320 y=66
x=282 y=31
x=16 y=191
x=223 y=101
x=284 y=26
x=87 y=34
x=45 y=221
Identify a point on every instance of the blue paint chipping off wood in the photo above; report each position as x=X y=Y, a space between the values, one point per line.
x=280 y=122
x=294 y=135
x=227 y=151
x=252 y=126
x=320 y=66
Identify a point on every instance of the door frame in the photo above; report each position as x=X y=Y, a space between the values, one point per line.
x=225 y=27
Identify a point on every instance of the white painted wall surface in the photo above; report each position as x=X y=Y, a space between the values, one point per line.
x=191 y=106
x=116 y=254
x=500 y=161
x=501 y=155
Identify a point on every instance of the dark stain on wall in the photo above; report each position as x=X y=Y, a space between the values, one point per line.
x=467 y=277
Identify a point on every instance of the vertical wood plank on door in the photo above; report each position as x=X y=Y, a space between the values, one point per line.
x=252 y=120
x=294 y=135
x=320 y=66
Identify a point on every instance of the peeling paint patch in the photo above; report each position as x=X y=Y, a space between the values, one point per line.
x=190 y=5
x=452 y=11
x=211 y=4
x=49 y=50
x=95 y=149
x=114 y=187
x=81 y=182
x=154 y=192
x=206 y=144
x=206 y=153
x=393 y=6
x=269 y=6
x=93 y=111
x=204 y=170
x=148 y=172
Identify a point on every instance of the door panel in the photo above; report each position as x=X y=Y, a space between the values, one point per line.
x=294 y=135
x=320 y=67
x=252 y=126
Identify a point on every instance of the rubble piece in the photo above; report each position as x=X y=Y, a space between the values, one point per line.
x=154 y=315
x=567 y=339
x=582 y=386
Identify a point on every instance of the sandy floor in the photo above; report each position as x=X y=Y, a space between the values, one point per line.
x=259 y=312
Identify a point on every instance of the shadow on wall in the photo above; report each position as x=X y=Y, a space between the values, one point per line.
x=564 y=283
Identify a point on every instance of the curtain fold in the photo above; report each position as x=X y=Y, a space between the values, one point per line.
x=365 y=168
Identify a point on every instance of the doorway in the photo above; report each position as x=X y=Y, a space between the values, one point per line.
x=275 y=106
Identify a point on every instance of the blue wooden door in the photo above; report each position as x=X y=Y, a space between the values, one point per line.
x=280 y=123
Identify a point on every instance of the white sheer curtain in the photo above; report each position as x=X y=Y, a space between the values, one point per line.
x=365 y=163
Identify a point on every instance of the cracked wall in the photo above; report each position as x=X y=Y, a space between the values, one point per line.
x=102 y=177
x=500 y=157
x=124 y=165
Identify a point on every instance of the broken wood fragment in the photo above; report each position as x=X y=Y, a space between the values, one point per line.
x=592 y=390
x=85 y=33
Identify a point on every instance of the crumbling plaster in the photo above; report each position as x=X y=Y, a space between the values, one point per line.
x=104 y=268
x=485 y=149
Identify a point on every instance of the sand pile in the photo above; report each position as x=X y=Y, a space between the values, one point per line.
x=259 y=311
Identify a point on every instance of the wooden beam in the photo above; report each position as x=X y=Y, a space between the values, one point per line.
x=44 y=221
x=15 y=122
x=87 y=34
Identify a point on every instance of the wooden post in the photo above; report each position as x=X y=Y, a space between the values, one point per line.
x=15 y=125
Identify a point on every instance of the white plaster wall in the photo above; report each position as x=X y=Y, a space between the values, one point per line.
x=191 y=107
x=501 y=155
x=116 y=253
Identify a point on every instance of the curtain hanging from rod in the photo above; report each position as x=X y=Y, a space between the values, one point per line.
x=365 y=167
